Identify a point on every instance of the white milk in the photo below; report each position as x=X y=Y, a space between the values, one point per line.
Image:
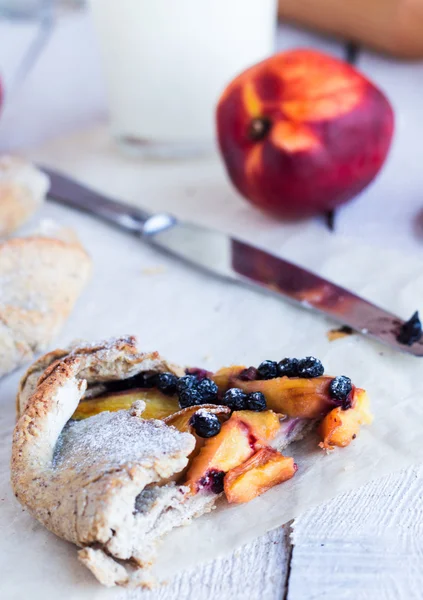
x=167 y=61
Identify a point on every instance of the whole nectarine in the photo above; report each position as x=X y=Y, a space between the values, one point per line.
x=302 y=132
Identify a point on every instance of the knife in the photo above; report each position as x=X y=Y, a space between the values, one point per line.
x=235 y=260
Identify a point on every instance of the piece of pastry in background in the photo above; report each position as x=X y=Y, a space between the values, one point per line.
x=41 y=277
x=23 y=189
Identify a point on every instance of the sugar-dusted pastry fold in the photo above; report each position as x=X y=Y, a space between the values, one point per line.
x=91 y=481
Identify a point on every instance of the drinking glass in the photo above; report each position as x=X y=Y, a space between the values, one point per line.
x=166 y=63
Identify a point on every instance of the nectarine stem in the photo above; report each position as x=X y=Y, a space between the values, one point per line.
x=330 y=219
x=351 y=52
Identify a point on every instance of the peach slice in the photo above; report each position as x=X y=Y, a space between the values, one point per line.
x=295 y=397
x=181 y=419
x=158 y=406
x=265 y=469
x=292 y=396
x=219 y=454
x=263 y=425
x=242 y=435
x=226 y=377
x=340 y=427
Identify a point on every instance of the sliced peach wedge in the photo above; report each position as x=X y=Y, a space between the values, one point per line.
x=265 y=469
x=239 y=438
x=227 y=377
x=340 y=427
x=263 y=426
x=182 y=420
x=291 y=396
x=158 y=405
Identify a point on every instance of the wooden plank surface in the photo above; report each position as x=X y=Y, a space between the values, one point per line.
x=256 y=571
x=363 y=545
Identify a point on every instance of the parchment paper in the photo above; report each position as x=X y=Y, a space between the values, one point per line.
x=197 y=320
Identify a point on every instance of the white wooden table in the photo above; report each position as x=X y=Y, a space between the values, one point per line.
x=366 y=544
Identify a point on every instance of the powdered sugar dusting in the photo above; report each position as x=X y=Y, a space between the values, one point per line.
x=106 y=350
x=206 y=414
x=111 y=440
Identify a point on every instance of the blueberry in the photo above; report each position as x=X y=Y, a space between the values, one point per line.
x=249 y=374
x=166 y=383
x=190 y=397
x=411 y=331
x=197 y=372
x=142 y=380
x=288 y=367
x=205 y=424
x=235 y=399
x=216 y=479
x=310 y=367
x=208 y=390
x=340 y=389
x=185 y=383
x=213 y=481
x=256 y=401
x=268 y=369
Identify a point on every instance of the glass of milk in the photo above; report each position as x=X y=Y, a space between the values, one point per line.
x=167 y=61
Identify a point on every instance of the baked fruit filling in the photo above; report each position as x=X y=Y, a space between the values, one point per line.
x=242 y=418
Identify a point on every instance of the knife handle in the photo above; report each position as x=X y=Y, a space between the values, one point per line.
x=70 y=193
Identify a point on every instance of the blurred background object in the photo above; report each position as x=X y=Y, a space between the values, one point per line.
x=64 y=93
x=23 y=9
x=34 y=8
x=28 y=29
x=393 y=26
x=41 y=13
x=167 y=62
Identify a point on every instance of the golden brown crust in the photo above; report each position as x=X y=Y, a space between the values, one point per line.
x=40 y=281
x=125 y=346
x=86 y=480
x=22 y=191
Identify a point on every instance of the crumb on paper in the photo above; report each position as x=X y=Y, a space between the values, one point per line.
x=340 y=332
x=156 y=270
x=349 y=466
x=326 y=449
x=207 y=357
x=50 y=228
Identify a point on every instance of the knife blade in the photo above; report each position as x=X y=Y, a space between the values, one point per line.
x=238 y=261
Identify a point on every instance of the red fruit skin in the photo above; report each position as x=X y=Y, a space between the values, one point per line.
x=330 y=133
